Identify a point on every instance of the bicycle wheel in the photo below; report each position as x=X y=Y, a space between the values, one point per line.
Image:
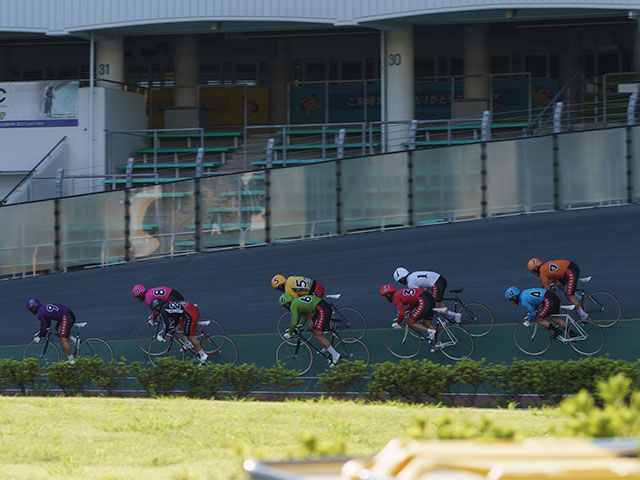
x=591 y=337
x=603 y=308
x=351 y=320
x=283 y=324
x=532 y=339
x=477 y=319
x=96 y=348
x=214 y=327
x=454 y=342
x=167 y=349
x=220 y=349
x=402 y=342
x=37 y=351
x=145 y=333
x=353 y=350
x=296 y=356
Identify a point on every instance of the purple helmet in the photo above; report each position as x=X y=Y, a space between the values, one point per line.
x=32 y=303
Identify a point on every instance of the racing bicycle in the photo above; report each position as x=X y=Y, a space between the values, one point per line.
x=147 y=331
x=343 y=318
x=584 y=336
x=296 y=353
x=219 y=348
x=602 y=307
x=452 y=340
x=47 y=352
x=477 y=318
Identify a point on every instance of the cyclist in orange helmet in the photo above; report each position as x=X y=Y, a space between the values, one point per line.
x=563 y=274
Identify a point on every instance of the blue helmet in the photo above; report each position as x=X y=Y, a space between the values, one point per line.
x=32 y=303
x=511 y=292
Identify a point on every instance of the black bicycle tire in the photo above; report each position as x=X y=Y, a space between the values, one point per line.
x=521 y=326
x=173 y=346
x=459 y=333
x=396 y=332
x=580 y=343
x=350 y=328
x=96 y=341
x=587 y=308
x=32 y=346
x=140 y=339
x=217 y=325
x=347 y=347
x=218 y=344
x=284 y=355
x=474 y=332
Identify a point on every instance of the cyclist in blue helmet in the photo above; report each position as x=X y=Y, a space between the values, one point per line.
x=541 y=305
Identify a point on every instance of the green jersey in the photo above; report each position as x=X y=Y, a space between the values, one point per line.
x=299 y=307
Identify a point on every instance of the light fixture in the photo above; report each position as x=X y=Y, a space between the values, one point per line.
x=216 y=25
x=511 y=13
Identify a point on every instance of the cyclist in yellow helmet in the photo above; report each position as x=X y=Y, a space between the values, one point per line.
x=297 y=286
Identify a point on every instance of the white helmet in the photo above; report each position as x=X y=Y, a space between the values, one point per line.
x=400 y=273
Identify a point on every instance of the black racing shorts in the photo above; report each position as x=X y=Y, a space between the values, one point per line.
x=570 y=279
x=63 y=327
x=550 y=305
x=438 y=288
x=424 y=310
x=322 y=316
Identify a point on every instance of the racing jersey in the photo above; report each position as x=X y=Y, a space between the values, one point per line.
x=165 y=294
x=406 y=299
x=172 y=311
x=531 y=299
x=423 y=280
x=553 y=270
x=301 y=306
x=298 y=286
x=48 y=312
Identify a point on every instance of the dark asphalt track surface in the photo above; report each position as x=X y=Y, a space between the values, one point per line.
x=483 y=256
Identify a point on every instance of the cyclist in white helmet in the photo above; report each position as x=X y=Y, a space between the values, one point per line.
x=431 y=282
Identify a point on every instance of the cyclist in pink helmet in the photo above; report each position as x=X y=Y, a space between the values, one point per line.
x=166 y=294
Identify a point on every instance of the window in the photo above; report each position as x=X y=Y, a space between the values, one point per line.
x=371 y=68
x=608 y=62
x=32 y=74
x=554 y=65
x=264 y=74
x=211 y=74
x=499 y=64
x=537 y=65
x=138 y=75
x=589 y=63
x=246 y=74
x=315 y=71
x=457 y=66
x=67 y=73
x=351 y=70
x=425 y=67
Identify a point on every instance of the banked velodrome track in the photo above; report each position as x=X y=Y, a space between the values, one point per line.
x=484 y=256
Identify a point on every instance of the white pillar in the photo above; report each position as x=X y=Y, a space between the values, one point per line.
x=399 y=84
x=110 y=62
x=186 y=67
x=476 y=62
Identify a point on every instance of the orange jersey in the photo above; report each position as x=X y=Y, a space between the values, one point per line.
x=552 y=271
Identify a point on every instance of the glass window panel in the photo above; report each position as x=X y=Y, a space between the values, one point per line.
x=303 y=201
x=443 y=66
x=232 y=209
x=554 y=65
x=499 y=64
x=351 y=69
x=210 y=74
x=247 y=74
x=264 y=74
x=315 y=71
x=457 y=66
x=425 y=67
x=372 y=68
x=536 y=64
x=447 y=184
x=92 y=229
x=27 y=246
x=589 y=63
x=609 y=62
x=32 y=74
x=377 y=195
x=334 y=70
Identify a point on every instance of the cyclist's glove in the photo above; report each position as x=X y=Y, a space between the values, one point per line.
x=37 y=339
x=395 y=324
x=150 y=320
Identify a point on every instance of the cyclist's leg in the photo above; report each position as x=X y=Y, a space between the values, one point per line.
x=321 y=320
x=64 y=330
x=191 y=317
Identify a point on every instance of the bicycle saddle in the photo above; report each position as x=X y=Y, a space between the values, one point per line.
x=585 y=279
x=458 y=290
x=567 y=307
x=334 y=296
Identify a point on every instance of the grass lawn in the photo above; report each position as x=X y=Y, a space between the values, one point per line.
x=183 y=439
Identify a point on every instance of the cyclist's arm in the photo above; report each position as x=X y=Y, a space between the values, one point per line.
x=400 y=306
x=544 y=278
x=295 y=315
x=45 y=323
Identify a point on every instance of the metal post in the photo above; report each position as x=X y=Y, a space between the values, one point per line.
x=411 y=187
x=199 y=162
x=267 y=206
x=557 y=118
x=92 y=84
x=197 y=220
x=56 y=234
x=629 y=142
x=270 y=144
x=59 y=179
x=129 y=173
x=483 y=174
x=341 y=135
x=285 y=144
x=127 y=225
x=631 y=108
x=556 y=173
x=413 y=130
x=339 y=197
x=486 y=126
x=155 y=155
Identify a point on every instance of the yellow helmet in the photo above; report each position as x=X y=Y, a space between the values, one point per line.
x=278 y=281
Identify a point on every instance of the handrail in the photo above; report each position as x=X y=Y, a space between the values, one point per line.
x=31 y=172
x=553 y=100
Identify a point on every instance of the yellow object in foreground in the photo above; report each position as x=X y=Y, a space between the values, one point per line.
x=468 y=460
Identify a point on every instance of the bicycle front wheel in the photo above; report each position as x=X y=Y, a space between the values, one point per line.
x=353 y=350
x=220 y=349
x=591 y=337
x=603 y=308
x=96 y=348
x=402 y=342
x=146 y=333
x=352 y=320
x=454 y=342
x=296 y=356
x=167 y=349
x=533 y=339
x=37 y=351
x=477 y=319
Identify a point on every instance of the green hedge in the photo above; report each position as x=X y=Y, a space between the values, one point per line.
x=408 y=380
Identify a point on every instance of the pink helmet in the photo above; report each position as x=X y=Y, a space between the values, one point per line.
x=138 y=291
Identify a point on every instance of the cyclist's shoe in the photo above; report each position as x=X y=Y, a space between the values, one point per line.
x=457 y=317
x=583 y=316
x=72 y=361
x=334 y=360
x=554 y=332
x=160 y=338
x=202 y=357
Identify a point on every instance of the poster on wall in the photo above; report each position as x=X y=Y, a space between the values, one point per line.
x=38 y=104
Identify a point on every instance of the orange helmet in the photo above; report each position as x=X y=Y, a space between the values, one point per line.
x=534 y=264
x=278 y=281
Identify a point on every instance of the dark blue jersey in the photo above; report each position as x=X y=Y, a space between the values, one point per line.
x=50 y=312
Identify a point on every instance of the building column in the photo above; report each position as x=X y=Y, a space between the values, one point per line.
x=278 y=90
x=476 y=62
x=570 y=65
x=398 y=81
x=110 y=62
x=186 y=112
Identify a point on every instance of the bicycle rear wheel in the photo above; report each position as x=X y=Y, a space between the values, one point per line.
x=167 y=349
x=220 y=349
x=603 y=308
x=454 y=342
x=402 y=342
x=593 y=338
x=353 y=350
x=145 y=333
x=351 y=320
x=533 y=339
x=477 y=319
x=96 y=348
x=213 y=328
x=37 y=351
x=296 y=356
